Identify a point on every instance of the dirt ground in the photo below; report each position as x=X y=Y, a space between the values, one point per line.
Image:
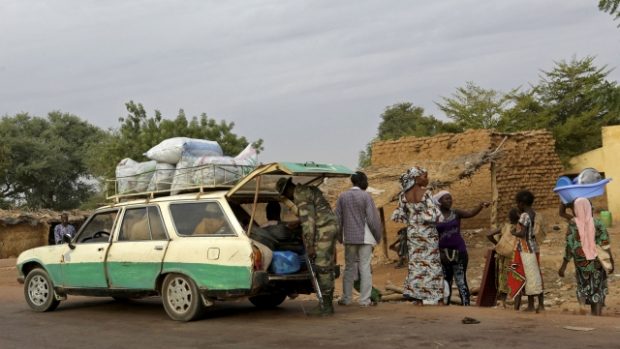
x=88 y=322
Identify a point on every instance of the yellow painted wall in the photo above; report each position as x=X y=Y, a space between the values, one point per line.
x=605 y=159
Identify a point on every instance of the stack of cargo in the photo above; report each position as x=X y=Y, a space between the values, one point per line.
x=180 y=163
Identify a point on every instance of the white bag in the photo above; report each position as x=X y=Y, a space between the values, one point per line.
x=226 y=170
x=133 y=176
x=144 y=173
x=369 y=239
x=170 y=150
x=125 y=171
x=162 y=179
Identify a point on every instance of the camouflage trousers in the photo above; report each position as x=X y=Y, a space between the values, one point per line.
x=325 y=245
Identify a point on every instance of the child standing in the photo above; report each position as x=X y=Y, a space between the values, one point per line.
x=505 y=244
x=526 y=253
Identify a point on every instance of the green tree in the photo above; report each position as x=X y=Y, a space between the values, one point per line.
x=473 y=107
x=577 y=100
x=405 y=119
x=43 y=160
x=610 y=6
x=523 y=112
x=139 y=132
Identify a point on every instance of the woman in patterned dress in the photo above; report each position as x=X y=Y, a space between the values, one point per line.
x=416 y=208
x=584 y=235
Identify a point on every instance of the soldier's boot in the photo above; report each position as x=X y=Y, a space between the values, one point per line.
x=326 y=310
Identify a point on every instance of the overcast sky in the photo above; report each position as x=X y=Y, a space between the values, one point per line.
x=309 y=77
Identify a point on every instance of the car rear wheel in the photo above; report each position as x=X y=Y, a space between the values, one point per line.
x=181 y=298
x=268 y=300
x=39 y=291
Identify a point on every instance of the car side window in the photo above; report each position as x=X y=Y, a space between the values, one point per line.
x=99 y=228
x=142 y=224
x=200 y=219
x=158 y=232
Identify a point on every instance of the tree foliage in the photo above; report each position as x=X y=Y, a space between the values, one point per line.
x=573 y=100
x=473 y=107
x=610 y=6
x=42 y=161
x=139 y=132
x=577 y=100
x=405 y=119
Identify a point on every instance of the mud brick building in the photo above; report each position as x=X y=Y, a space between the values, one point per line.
x=477 y=165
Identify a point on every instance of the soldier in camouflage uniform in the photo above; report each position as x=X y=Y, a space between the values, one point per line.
x=320 y=231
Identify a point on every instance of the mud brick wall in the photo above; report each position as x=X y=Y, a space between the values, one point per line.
x=528 y=161
x=432 y=151
x=468 y=193
x=413 y=150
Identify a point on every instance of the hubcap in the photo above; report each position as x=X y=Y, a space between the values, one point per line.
x=38 y=290
x=179 y=295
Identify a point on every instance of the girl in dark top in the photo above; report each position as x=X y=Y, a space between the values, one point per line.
x=453 y=250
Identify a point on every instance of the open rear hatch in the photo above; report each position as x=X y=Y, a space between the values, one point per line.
x=267 y=175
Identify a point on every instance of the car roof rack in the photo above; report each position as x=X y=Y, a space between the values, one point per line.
x=167 y=182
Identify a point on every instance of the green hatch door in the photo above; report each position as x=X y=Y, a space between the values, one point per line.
x=307 y=169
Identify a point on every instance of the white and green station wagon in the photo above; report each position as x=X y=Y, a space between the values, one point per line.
x=192 y=249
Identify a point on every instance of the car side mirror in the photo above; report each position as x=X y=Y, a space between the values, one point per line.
x=67 y=239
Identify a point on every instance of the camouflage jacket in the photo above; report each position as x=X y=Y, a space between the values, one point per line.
x=315 y=214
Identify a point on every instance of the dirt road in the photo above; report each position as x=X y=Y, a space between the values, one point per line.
x=84 y=322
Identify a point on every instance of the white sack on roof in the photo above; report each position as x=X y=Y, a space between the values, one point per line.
x=162 y=178
x=125 y=170
x=223 y=174
x=170 y=150
x=132 y=176
x=195 y=170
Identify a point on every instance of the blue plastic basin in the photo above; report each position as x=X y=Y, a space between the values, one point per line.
x=568 y=193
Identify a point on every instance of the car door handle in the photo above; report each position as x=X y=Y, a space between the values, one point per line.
x=100 y=249
x=159 y=248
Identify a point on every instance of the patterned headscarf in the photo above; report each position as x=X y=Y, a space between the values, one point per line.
x=407 y=179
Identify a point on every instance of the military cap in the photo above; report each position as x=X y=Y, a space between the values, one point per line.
x=282 y=184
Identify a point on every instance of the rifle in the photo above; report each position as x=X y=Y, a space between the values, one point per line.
x=313 y=279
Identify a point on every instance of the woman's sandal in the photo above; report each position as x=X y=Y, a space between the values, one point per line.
x=470 y=320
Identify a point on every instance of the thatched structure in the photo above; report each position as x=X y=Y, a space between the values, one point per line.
x=22 y=230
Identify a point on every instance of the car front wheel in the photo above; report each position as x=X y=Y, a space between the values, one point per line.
x=39 y=291
x=181 y=298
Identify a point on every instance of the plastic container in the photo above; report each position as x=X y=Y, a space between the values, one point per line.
x=589 y=176
x=606 y=218
x=569 y=193
x=285 y=262
x=563 y=181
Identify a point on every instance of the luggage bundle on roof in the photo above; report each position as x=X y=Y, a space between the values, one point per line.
x=181 y=164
